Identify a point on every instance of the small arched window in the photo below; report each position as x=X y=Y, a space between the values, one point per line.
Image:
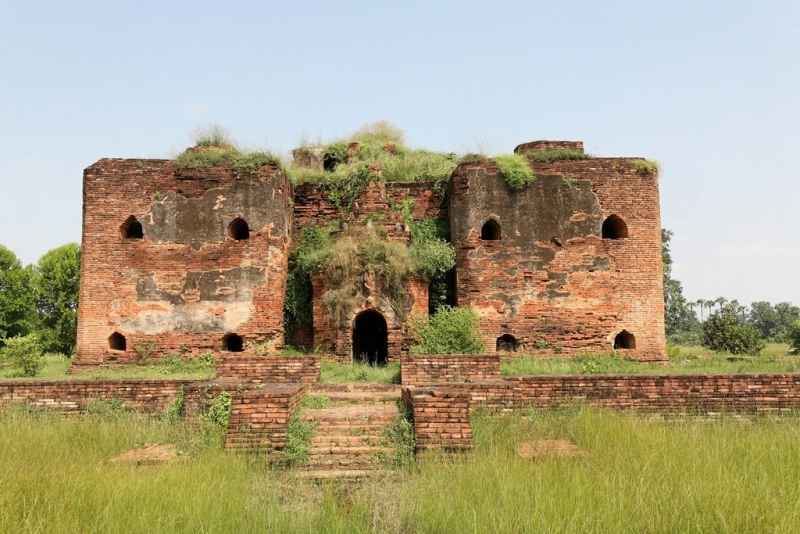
x=131 y=228
x=506 y=343
x=624 y=340
x=238 y=229
x=490 y=231
x=117 y=341
x=233 y=343
x=614 y=228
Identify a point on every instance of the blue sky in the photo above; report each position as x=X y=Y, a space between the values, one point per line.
x=709 y=89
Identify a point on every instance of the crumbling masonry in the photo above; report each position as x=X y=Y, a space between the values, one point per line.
x=196 y=260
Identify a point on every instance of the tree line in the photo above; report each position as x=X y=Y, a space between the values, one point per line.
x=39 y=302
x=724 y=325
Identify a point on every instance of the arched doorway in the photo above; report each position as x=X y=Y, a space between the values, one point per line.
x=370 y=341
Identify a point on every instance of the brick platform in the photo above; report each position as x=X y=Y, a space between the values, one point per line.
x=260 y=417
x=441 y=417
x=264 y=369
x=422 y=369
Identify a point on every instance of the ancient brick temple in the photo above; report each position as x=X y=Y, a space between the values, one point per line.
x=196 y=260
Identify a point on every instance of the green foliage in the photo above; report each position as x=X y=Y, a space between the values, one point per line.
x=300 y=432
x=679 y=317
x=515 y=169
x=344 y=191
x=645 y=167
x=472 y=157
x=191 y=160
x=335 y=372
x=17 y=300
x=106 y=409
x=774 y=322
x=219 y=413
x=175 y=409
x=794 y=336
x=145 y=351
x=726 y=331
x=449 y=331
x=546 y=156
x=360 y=260
x=433 y=254
x=212 y=135
x=399 y=435
x=176 y=364
x=297 y=305
x=24 y=353
x=249 y=165
x=57 y=277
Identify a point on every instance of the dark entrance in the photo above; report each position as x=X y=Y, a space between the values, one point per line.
x=370 y=341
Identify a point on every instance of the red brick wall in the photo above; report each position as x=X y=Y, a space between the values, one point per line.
x=71 y=396
x=185 y=284
x=551 y=281
x=251 y=369
x=424 y=369
x=260 y=418
x=441 y=417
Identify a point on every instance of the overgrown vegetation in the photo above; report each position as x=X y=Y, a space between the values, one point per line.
x=645 y=167
x=450 y=330
x=300 y=432
x=547 y=156
x=515 y=170
x=360 y=261
x=214 y=135
x=399 y=436
x=638 y=474
x=335 y=372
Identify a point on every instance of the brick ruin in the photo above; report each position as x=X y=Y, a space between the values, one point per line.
x=193 y=261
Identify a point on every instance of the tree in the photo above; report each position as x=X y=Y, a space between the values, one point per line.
x=24 y=353
x=726 y=330
x=787 y=316
x=793 y=336
x=678 y=313
x=764 y=317
x=17 y=298
x=57 y=284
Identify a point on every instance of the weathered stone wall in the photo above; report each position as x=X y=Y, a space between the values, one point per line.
x=424 y=369
x=656 y=393
x=260 y=418
x=551 y=280
x=185 y=283
x=441 y=417
x=71 y=396
x=250 y=369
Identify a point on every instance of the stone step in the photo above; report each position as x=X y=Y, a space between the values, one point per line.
x=367 y=440
x=362 y=397
x=350 y=430
x=335 y=462
x=349 y=452
x=354 y=387
x=329 y=474
x=349 y=415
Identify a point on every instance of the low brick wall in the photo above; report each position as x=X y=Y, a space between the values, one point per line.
x=422 y=369
x=441 y=417
x=260 y=417
x=269 y=369
x=71 y=396
x=660 y=393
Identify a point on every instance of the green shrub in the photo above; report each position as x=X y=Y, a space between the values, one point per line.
x=726 y=331
x=249 y=165
x=24 y=353
x=399 y=436
x=450 y=330
x=515 y=169
x=429 y=248
x=219 y=413
x=205 y=159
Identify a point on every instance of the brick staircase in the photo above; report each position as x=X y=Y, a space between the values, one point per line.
x=350 y=440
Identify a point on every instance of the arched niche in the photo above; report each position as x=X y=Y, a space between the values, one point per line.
x=370 y=338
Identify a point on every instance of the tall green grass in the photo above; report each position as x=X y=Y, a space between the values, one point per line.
x=640 y=474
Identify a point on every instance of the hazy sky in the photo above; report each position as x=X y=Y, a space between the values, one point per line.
x=710 y=89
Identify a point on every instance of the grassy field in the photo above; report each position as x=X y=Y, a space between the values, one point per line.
x=682 y=359
x=640 y=474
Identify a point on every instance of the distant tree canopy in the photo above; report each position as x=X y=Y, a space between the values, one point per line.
x=41 y=299
x=679 y=316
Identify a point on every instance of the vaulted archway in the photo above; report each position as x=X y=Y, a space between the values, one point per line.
x=370 y=338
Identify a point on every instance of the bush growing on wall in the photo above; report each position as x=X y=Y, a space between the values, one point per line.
x=449 y=331
x=726 y=331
